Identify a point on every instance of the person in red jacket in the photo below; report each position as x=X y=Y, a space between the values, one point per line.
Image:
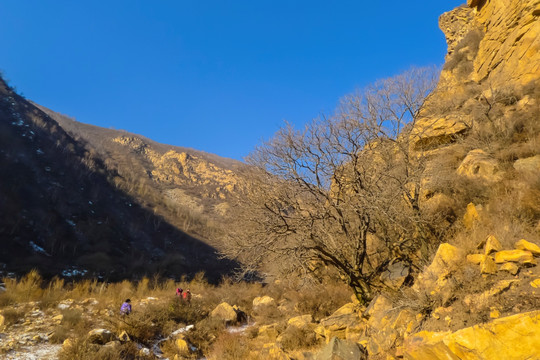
x=187 y=296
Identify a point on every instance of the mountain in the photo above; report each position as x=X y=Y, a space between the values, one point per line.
x=76 y=199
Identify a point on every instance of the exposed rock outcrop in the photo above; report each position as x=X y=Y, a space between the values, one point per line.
x=491 y=44
x=513 y=337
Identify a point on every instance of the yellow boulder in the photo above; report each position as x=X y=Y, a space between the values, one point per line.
x=475 y=258
x=509 y=267
x=492 y=245
x=488 y=266
x=471 y=216
x=301 y=321
x=528 y=246
x=520 y=256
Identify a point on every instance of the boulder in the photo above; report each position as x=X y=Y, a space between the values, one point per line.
x=511 y=338
x=301 y=322
x=492 y=245
x=481 y=166
x=434 y=277
x=261 y=301
x=395 y=274
x=471 y=216
x=181 y=345
x=528 y=165
x=344 y=323
x=475 y=258
x=528 y=246
x=225 y=312
x=509 y=267
x=339 y=349
x=100 y=336
x=520 y=256
x=488 y=266
x=268 y=333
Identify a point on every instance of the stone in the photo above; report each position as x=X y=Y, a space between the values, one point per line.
x=511 y=338
x=67 y=344
x=528 y=246
x=100 y=336
x=2 y=321
x=301 y=322
x=263 y=301
x=528 y=165
x=225 y=312
x=494 y=314
x=181 y=345
x=377 y=309
x=488 y=266
x=338 y=349
x=395 y=275
x=113 y=344
x=124 y=336
x=492 y=245
x=509 y=267
x=535 y=283
x=268 y=333
x=434 y=277
x=471 y=216
x=58 y=318
x=520 y=256
x=475 y=258
x=479 y=165
x=342 y=323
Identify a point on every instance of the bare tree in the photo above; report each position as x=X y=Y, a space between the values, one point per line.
x=319 y=193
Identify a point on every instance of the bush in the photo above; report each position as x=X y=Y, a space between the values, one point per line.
x=230 y=347
x=12 y=316
x=294 y=338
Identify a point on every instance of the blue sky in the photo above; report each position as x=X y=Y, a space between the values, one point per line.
x=217 y=76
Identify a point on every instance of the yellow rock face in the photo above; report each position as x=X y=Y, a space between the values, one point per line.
x=498 y=42
x=528 y=246
x=510 y=338
x=520 y=256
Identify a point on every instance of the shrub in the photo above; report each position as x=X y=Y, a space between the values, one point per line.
x=229 y=347
x=294 y=338
x=12 y=316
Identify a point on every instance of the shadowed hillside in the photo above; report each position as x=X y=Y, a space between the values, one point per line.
x=62 y=214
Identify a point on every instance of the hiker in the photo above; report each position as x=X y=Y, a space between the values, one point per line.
x=179 y=293
x=187 y=296
x=125 y=309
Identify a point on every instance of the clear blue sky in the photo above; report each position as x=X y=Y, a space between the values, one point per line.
x=217 y=76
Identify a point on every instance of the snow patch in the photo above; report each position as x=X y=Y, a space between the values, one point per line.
x=38 y=248
x=74 y=272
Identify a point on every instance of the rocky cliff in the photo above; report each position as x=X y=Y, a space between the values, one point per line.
x=493 y=55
